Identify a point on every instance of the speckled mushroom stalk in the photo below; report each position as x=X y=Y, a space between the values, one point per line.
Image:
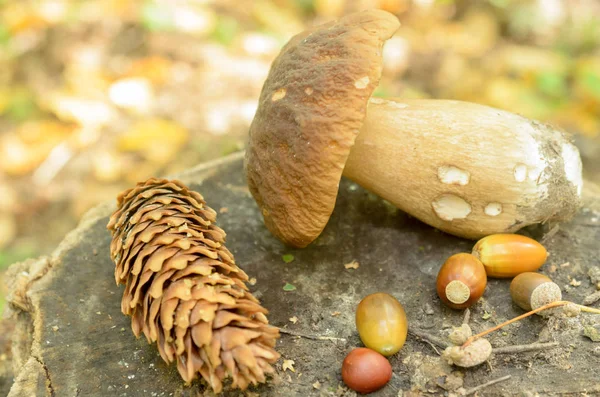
x=467 y=169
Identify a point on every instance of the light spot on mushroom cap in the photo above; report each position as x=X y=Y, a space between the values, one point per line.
x=449 y=207
x=520 y=172
x=570 y=156
x=308 y=90
x=452 y=175
x=279 y=94
x=362 y=83
x=493 y=209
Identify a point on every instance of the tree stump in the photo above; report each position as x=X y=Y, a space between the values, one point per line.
x=72 y=340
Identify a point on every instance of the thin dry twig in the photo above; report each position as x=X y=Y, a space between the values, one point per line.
x=467 y=316
x=53 y=164
x=429 y=338
x=591 y=299
x=524 y=348
x=313 y=337
x=548 y=235
x=484 y=385
x=529 y=313
x=433 y=347
x=592 y=224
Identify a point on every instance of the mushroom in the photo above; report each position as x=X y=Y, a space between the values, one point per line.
x=467 y=169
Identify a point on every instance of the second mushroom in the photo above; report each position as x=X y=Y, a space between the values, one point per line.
x=467 y=169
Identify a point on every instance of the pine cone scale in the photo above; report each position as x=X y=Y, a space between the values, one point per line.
x=202 y=333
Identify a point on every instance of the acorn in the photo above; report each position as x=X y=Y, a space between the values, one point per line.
x=461 y=281
x=531 y=290
x=506 y=255
x=364 y=370
x=381 y=323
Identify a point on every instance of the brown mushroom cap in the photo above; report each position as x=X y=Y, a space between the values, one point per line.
x=311 y=108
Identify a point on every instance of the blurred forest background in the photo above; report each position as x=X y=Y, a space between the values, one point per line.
x=97 y=95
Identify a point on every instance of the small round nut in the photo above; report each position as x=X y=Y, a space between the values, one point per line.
x=507 y=255
x=461 y=281
x=531 y=290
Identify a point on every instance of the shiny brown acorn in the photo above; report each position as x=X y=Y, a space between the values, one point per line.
x=381 y=323
x=364 y=370
x=531 y=290
x=461 y=281
x=506 y=255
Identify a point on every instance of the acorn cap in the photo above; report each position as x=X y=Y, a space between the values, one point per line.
x=457 y=292
x=311 y=108
x=532 y=290
x=461 y=281
x=473 y=354
x=545 y=293
x=459 y=335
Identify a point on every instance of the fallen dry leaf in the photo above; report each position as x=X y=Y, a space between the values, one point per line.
x=155 y=69
x=352 y=265
x=317 y=385
x=132 y=93
x=23 y=150
x=158 y=140
x=86 y=112
x=288 y=365
x=107 y=166
x=294 y=319
x=575 y=283
x=19 y=21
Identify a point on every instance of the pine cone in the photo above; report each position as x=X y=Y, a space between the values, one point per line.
x=183 y=289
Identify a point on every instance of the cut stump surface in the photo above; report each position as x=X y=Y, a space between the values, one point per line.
x=72 y=340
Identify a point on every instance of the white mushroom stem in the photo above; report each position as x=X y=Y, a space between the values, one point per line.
x=467 y=169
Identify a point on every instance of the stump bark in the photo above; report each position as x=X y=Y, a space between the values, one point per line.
x=72 y=340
